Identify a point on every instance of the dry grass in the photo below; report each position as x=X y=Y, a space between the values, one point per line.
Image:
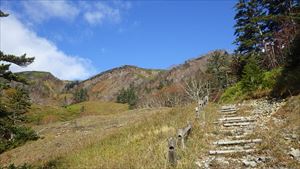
x=41 y=114
x=62 y=138
x=144 y=144
x=100 y=142
x=132 y=139
x=138 y=139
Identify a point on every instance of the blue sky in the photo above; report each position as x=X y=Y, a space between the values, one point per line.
x=88 y=37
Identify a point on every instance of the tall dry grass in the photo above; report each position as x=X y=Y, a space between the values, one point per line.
x=144 y=144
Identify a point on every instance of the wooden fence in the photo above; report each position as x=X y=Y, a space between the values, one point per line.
x=182 y=136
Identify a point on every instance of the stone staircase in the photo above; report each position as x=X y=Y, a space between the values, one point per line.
x=234 y=130
x=234 y=146
x=235 y=143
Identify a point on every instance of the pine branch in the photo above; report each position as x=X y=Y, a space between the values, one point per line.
x=2 y=14
x=20 y=61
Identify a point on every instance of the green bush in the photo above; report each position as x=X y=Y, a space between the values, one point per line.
x=24 y=166
x=270 y=77
x=20 y=134
x=232 y=93
x=260 y=83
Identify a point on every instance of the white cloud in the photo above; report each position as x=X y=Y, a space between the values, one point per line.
x=94 y=12
x=42 y=10
x=94 y=17
x=99 y=12
x=122 y=4
x=16 y=39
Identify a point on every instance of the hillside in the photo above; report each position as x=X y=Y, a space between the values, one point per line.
x=106 y=85
x=169 y=83
x=44 y=88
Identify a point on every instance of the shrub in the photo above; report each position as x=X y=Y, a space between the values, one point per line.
x=19 y=135
x=257 y=87
x=24 y=166
x=269 y=78
x=232 y=93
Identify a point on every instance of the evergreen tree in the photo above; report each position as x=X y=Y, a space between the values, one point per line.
x=248 y=30
x=5 y=73
x=252 y=75
x=80 y=95
x=19 y=103
x=12 y=107
x=122 y=96
x=2 y=14
x=265 y=28
x=280 y=32
x=128 y=96
x=218 y=67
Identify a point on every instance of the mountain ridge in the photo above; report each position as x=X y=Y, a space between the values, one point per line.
x=106 y=85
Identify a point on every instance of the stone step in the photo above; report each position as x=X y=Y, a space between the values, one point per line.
x=237 y=130
x=228 y=107
x=236 y=133
x=235 y=121
x=217 y=152
x=236 y=118
x=233 y=142
x=238 y=124
x=237 y=147
x=229 y=115
x=237 y=137
x=228 y=110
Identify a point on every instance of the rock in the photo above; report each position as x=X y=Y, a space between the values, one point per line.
x=294 y=136
x=222 y=161
x=198 y=163
x=204 y=163
x=249 y=163
x=295 y=153
x=263 y=159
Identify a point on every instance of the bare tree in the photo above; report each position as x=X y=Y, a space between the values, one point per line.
x=197 y=89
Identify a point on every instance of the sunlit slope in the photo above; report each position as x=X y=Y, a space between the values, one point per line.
x=43 y=114
x=58 y=139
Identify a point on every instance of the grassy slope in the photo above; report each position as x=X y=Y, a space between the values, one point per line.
x=41 y=114
x=62 y=138
x=130 y=139
x=144 y=144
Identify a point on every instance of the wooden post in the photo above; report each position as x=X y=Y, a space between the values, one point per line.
x=197 y=112
x=206 y=100
x=181 y=137
x=172 y=151
x=183 y=134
